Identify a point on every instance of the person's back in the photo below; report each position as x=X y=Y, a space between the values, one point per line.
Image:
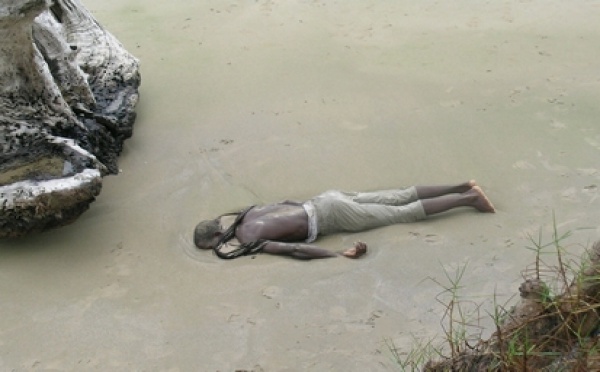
x=283 y=222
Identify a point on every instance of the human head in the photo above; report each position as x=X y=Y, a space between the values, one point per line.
x=206 y=234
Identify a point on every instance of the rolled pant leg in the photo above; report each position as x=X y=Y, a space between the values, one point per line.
x=337 y=212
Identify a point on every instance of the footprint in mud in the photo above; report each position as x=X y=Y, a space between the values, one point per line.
x=523 y=164
x=555 y=124
x=212 y=149
x=591 y=191
x=357 y=325
x=374 y=316
x=508 y=243
x=271 y=292
x=433 y=239
x=507 y=14
x=588 y=171
x=473 y=22
x=267 y=6
x=570 y=194
x=557 y=168
x=225 y=142
x=338 y=312
x=451 y=104
x=593 y=142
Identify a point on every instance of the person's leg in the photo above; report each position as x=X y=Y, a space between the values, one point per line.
x=426 y=192
x=385 y=197
x=337 y=213
x=474 y=197
x=408 y=195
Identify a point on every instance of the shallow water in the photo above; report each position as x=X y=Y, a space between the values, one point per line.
x=252 y=102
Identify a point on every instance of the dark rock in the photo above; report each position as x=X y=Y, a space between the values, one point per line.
x=68 y=91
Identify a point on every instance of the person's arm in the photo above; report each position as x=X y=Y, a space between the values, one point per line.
x=310 y=251
x=297 y=250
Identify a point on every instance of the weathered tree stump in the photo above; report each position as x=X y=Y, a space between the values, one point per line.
x=68 y=90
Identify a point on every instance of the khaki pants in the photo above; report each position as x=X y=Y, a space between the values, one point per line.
x=338 y=211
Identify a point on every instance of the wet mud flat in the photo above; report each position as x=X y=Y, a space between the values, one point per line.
x=246 y=103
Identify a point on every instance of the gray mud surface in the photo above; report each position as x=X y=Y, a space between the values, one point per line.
x=255 y=102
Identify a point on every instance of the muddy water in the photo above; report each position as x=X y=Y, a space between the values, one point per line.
x=251 y=102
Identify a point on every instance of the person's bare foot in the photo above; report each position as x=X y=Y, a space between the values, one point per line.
x=359 y=249
x=465 y=186
x=482 y=203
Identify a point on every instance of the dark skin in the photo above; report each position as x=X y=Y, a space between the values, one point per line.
x=285 y=224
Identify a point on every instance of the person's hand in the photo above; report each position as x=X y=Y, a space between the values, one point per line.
x=359 y=249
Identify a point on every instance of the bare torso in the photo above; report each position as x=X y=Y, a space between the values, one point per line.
x=284 y=222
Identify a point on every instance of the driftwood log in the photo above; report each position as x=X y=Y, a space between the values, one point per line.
x=543 y=332
x=68 y=90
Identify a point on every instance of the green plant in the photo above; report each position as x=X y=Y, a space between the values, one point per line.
x=552 y=326
x=419 y=354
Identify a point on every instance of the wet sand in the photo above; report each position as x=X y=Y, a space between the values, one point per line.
x=253 y=102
